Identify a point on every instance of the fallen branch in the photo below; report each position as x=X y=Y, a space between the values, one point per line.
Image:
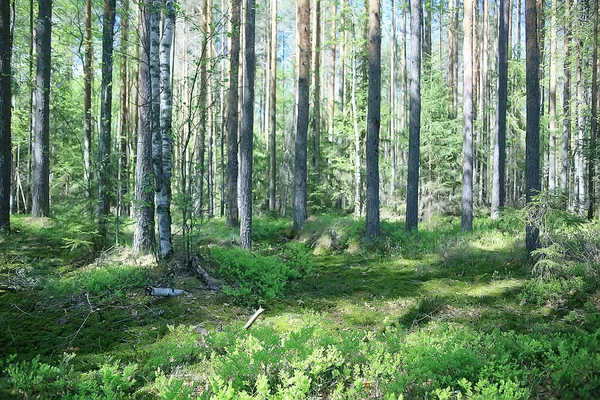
x=254 y=317
x=209 y=281
x=8 y=288
x=163 y=292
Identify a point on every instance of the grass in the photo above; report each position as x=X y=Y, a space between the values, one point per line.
x=433 y=315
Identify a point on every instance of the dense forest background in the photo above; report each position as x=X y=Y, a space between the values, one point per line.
x=406 y=190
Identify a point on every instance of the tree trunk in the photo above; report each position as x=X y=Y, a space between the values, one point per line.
x=426 y=9
x=498 y=182
x=357 y=162
x=579 y=156
x=104 y=142
x=272 y=105
x=300 y=193
x=393 y=106
x=552 y=101
x=200 y=149
x=163 y=197
x=566 y=131
x=467 y=164
x=123 y=177
x=247 y=132
x=5 y=114
x=232 y=117
x=414 y=140
x=452 y=43
x=333 y=50
x=594 y=122
x=317 y=93
x=41 y=146
x=144 y=236
x=87 y=104
x=373 y=120
x=532 y=135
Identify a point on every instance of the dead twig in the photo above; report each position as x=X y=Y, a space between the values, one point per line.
x=253 y=318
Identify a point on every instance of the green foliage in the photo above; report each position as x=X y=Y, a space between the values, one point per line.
x=422 y=312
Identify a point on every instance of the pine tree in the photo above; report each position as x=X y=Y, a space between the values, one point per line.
x=5 y=115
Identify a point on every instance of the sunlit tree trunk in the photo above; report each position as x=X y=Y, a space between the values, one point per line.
x=414 y=140
x=532 y=135
x=163 y=197
x=317 y=93
x=373 y=120
x=393 y=105
x=143 y=235
x=5 y=115
x=579 y=157
x=272 y=104
x=467 y=163
x=232 y=117
x=300 y=193
x=552 y=101
x=357 y=158
x=104 y=142
x=499 y=158
x=41 y=145
x=247 y=132
x=200 y=149
x=124 y=123
x=566 y=129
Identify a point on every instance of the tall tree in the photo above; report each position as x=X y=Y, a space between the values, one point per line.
x=272 y=103
x=87 y=101
x=104 y=143
x=393 y=106
x=414 y=138
x=499 y=158
x=566 y=131
x=317 y=92
x=467 y=182
x=232 y=116
x=247 y=133
x=5 y=114
x=532 y=134
x=143 y=235
x=594 y=121
x=163 y=197
x=123 y=166
x=41 y=145
x=579 y=143
x=302 y=95
x=204 y=111
x=373 y=120
x=427 y=46
x=552 y=101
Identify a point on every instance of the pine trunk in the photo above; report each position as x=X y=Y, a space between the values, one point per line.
x=273 y=105
x=41 y=146
x=393 y=106
x=123 y=177
x=373 y=120
x=247 y=131
x=5 y=115
x=87 y=104
x=467 y=163
x=594 y=122
x=303 y=90
x=552 y=181
x=414 y=140
x=317 y=94
x=566 y=129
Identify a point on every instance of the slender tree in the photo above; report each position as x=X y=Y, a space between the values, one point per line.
x=143 y=235
x=317 y=93
x=467 y=183
x=247 y=132
x=373 y=119
x=579 y=154
x=124 y=126
x=163 y=197
x=272 y=103
x=203 y=100
x=566 y=131
x=532 y=134
x=232 y=117
x=393 y=105
x=41 y=145
x=302 y=95
x=104 y=143
x=552 y=181
x=414 y=139
x=87 y=101
x=5 y=114
x=594 y=121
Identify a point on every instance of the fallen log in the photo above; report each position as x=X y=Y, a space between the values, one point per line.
x=212 y=283
x=163 y=292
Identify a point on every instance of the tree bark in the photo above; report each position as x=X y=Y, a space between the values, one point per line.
x=467 y=183
x=566 y=129
x=163 y=197
x=499 y=172
x=232 y=117
x=87 y=104
x=41 y=146
x=579 y=156
x=5 y=115
x=373 y=120
x=317 y=94
x=203 y=109
x=393 y=105
x=125 y=122
x=552 y=102
x=302 y=95
x=532 y=134
x=594 y=121
x=143 y=235
x=104 y=142
x=272 y=105
x=247 y=132
x=414 y=140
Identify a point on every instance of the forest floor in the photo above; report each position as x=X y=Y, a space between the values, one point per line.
x=437 y=314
